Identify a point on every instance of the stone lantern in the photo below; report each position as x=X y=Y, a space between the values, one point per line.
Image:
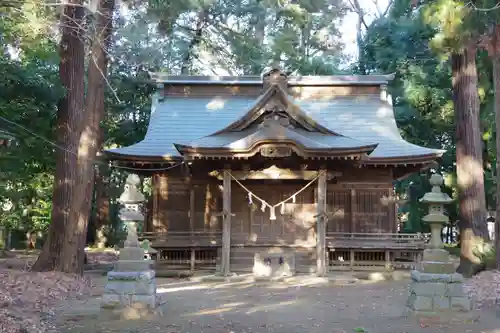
x=436 y=289
x=436 y=218
x=132 y=281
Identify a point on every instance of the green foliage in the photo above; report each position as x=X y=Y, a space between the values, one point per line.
x=28 y=97
x=488 y=258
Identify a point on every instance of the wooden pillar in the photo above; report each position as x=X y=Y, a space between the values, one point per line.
x=191 y=211
x=226 y=224
x=193 y=259
x=353 y=210
x=160 y=197
x=191 y=225
x=321 y=224
x=387 y=258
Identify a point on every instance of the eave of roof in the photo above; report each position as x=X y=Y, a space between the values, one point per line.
x=248 y=142
x=334 y=80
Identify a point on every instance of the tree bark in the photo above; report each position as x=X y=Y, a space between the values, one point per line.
x=102 y=205
x=494 y=51
x=71 y=72
x=470 y=176
x=73 y=254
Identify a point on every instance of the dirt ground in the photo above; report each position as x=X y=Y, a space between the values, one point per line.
x=191 y=307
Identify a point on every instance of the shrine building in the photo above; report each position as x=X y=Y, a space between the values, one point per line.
x=294 y=168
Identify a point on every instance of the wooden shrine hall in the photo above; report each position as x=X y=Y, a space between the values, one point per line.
x=285 y=168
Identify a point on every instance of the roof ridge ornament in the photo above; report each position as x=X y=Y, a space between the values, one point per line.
x=274 y=76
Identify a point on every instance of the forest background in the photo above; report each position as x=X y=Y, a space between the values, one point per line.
x=104 y=51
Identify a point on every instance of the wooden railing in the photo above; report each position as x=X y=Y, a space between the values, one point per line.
x=376 y=240
x=199 y=249
x=179 y=239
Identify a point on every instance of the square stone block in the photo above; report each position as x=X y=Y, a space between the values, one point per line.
x=455 y=290
x=441 y=303
x=114 y=301
x=437 y=267
x=133 y=265
x=463 y=303
x=274 y=263
x=131 y=276
x=436 y=255
x=430 y=277
x=131 y=253
x=421 y=303
x=142 y=287
x=428 y=288
x=457 y=278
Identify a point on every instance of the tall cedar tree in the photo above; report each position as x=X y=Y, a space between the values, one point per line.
x=71 y=73
x=472 y=204
x=67 y=236
x=89 y=141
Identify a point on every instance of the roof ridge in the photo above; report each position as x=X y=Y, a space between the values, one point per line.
x=296 y=80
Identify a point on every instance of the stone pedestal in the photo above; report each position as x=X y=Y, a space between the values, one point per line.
x=132 y=281
x=436 y=290
x=271 y=264
x=435 y=287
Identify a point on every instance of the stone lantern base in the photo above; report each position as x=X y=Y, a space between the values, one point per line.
x=132 y=281
x=436 y=290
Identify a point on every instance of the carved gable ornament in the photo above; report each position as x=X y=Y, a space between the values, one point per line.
x=276 y=151
x=274 y=76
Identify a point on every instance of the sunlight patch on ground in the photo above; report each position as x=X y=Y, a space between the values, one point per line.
x=184 y=288
x=224 y=308
x=268 y=307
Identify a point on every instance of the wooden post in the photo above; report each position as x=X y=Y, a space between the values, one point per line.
x=193 y=258
x=226 y=224
x=387 y=258
x=322 y=218
x=191 y=213
x=353 y=209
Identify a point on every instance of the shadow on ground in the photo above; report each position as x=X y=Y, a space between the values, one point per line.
x=242 y=307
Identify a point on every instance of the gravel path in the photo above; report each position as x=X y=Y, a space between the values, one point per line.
x=190 y=307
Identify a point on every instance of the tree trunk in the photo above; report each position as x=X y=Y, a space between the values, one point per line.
x=102 y=205
x=71 y=72
x=494 y=52
x=470 y=176
x=73 y=255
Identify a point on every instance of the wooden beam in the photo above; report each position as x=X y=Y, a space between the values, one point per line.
x=321 y=224
x=275 y=172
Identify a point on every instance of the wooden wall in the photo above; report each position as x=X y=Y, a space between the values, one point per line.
x=355 y=208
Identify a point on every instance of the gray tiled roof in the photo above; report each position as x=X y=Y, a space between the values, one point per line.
x=245 y=139
x=366 y=118
x=182 y=120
